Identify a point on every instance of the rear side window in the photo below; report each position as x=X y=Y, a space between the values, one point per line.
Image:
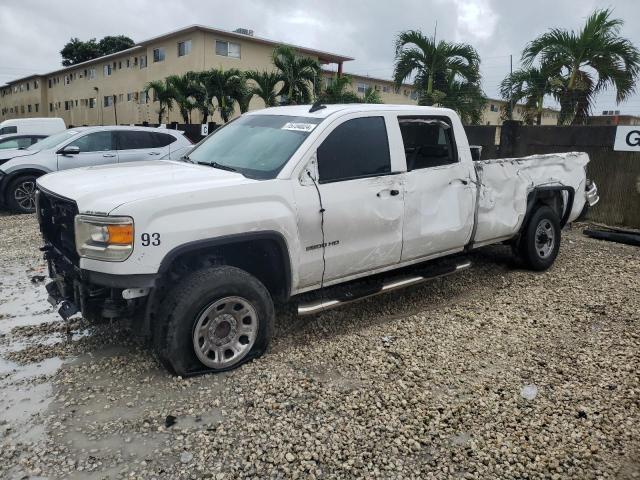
x=428 y=142
x=6 y=130
x=355 y=149
x=162 y=139
x=94 y=142
x=15 y=143
x=132 y=140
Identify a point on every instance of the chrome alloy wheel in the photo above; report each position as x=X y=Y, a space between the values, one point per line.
x=25 y=195
x=545 y=238
x=225 y=332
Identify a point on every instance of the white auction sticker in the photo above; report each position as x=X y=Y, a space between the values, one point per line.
x=299 y=127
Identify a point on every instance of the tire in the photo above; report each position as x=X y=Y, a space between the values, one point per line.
x=214 y=320
x=21 y=194
x=540 y=241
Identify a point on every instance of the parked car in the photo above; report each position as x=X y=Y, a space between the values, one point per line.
x=319 y=206
x=39 y=126
x=17 y=141
x=79 y=147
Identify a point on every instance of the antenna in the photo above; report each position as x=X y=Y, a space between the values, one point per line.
x=316 y=106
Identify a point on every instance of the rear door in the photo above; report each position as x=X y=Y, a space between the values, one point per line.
x=439 y=199
x=96 y=148
x=362 y=197
x=138 y=145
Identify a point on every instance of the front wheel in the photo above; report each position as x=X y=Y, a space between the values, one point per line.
x=21 y=194
x=540 y=241
x=215 y=320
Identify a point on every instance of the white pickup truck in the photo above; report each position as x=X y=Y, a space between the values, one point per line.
x=310 y=204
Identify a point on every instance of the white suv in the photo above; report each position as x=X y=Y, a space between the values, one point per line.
x=81 y=147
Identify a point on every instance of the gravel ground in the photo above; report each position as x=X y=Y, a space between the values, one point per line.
x=426 y=383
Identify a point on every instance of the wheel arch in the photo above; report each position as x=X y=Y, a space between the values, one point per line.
x=6 y=180
x=264 y=254
x=551 y=196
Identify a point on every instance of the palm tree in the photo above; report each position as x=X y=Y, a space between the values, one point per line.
x=164 y=94
x=185 y=89
x=241 y=92
x=589 y=61
x=299 y=74
x=336 y=91
x=265 y=87
x=433 y=66
x=203 y=101
x=466 y=98
x=371 y=95
x=225 y=87
x=532 y=85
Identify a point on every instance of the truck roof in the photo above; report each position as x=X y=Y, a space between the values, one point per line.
x=303 y=110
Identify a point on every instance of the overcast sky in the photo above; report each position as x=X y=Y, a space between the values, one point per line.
x=34 y=31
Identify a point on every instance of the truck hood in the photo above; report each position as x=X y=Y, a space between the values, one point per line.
x=101 y=189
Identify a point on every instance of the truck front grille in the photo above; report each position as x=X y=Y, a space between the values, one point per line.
x=56 y=216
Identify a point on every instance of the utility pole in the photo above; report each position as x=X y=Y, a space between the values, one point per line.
x=511 y=96
x=115 y=110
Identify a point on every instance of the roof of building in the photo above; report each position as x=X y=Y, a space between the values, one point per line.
x=324 y=57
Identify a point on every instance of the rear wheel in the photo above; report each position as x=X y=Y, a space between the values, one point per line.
x=540 y=241
x=21 y=194
x=215 y=320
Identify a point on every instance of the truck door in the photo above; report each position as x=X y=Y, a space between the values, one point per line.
x=96 y=148
x=439 y=194
x=362 y=198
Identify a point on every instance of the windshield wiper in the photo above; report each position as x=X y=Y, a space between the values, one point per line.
x=218 y=165
x=185 y=158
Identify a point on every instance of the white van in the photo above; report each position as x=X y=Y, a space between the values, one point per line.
x=36 y=126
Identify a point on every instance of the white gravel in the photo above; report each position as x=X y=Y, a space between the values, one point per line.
x=431 y=382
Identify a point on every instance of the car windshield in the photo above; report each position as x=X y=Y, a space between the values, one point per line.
x=257 y=146
x=53 y=141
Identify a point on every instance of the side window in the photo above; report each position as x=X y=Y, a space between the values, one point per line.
x=11 y=129
x=428 y=142
x=94 y=142
x=9 y=143
x=357 y=148
x=132 y=140
x=162 y=139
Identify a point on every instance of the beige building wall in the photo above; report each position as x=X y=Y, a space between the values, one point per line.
x=492 y=113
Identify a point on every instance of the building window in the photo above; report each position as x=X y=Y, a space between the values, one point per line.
x=51 y=107
x=414 y=95
x=128 y=63
x=36 y=84
x=184 y=48
x=92 y=73
x=28 y=86
x=108 y=100
x=121 y=97
x=143 y=97
x=362 y=87
x=158 y=55
x=29 y=108
x=385 y=89
x=227 y=49
x=493 y=107
x=120 y=64
x=129 y=96
x=143 y=61
x=107 y=70
x=92 y=102
x=135 y=61
x=21 y=108
x=67 y=80
x=37 y=105
x=68 y=104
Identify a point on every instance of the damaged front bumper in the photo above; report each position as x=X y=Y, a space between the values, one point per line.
x=93 y=294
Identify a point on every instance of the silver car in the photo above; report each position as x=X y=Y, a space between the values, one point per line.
x=80 y=147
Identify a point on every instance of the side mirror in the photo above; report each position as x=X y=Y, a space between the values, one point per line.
x=69 y=150
x=309 y=174
x=476 y=152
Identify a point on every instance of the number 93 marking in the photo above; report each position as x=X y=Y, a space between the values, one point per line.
x=150 y=239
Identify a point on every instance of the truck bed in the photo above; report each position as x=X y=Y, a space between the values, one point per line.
x=505 y=184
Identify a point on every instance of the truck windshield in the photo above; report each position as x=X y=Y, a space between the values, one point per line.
x=257 y=146
x=53 y=141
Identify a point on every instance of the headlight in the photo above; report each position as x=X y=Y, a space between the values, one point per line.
x=104 y=238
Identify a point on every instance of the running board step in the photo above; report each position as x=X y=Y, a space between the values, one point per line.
x=360 y=292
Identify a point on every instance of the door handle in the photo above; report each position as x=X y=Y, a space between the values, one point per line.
x=463 y=181
x=109 y=155
x=393 y=192
x=154 y=153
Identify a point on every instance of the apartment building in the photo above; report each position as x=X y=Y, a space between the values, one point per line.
x=110 y=89
x=83 y=94
x=492 y=113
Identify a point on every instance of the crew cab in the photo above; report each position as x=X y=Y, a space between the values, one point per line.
x=317 y=205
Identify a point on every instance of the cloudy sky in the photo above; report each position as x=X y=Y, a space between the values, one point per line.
x=34 y=31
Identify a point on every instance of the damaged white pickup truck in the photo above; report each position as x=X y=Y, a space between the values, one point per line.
x=311 y=204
